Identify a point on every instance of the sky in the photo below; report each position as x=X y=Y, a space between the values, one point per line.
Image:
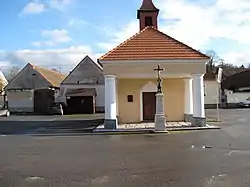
x=60 y=33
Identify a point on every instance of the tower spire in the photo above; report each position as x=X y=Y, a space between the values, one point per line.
x=148 y=5
x=148 y=14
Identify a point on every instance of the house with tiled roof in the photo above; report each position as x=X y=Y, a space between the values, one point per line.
x=130 y=79
x=211 y=90
x=236 y=88
x=33 y=89
x=3 y=83
x=83 y=89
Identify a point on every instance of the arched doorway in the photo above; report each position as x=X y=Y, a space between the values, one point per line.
x=148 y=102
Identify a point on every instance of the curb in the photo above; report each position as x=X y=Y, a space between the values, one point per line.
x=93 y=133
x=215 y=121
x=129 y=132
x=194 y=128
x=119 y=132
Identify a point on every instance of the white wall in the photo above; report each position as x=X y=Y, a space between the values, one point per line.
x=211 y=92
x=100 y=89
x=1 y=101
x=236 y=97
x=20 y=101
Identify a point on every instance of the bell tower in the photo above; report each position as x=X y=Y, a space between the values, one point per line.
x=148 y=14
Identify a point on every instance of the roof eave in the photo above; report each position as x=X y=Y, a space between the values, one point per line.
x=146 y=10
x=122 y=61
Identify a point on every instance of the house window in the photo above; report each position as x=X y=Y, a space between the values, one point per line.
x=148 y=21
x=130 y=98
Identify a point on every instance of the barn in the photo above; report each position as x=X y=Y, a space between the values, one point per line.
x=83 y=90
x=33 y=89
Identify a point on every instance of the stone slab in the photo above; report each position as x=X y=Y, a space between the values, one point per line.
x=150 y=126
x=145 y=131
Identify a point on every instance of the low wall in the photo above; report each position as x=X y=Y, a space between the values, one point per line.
x=1 y=100
x=237 y=97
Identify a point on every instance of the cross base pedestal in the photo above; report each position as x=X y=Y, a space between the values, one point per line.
x=160 y=123
x=160 y=119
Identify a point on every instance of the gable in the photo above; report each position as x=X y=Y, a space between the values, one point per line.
x=53 y=77
x=28 y=78
x=86 y=72
x=151 y=44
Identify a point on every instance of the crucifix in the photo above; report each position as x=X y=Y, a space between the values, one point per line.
x=159 y=86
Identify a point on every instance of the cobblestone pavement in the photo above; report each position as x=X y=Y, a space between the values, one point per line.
x=150 y=125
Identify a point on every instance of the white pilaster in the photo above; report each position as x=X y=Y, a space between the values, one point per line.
x=188 y=110
x=110 y=102
x=198 y=97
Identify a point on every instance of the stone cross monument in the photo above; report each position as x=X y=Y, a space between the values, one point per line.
x=160 y=119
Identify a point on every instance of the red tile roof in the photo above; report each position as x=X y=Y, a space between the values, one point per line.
x=53 y=77
x=151 y=44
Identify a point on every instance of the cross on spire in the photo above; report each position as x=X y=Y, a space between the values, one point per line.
x=159 y=70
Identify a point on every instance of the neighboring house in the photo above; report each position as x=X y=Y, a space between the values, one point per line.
x=211 y=90
x=33 y=89
x=130 y=79
x=3 y=83
x=83 y=89
x=236 y=88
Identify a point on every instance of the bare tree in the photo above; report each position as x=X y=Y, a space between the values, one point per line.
x=12 y=73
x=215 y=60
x=228 y=69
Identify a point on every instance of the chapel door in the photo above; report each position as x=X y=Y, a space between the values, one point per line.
x=149 y=105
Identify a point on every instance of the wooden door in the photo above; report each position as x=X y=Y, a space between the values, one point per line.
x=81 y=105
x=149 y=106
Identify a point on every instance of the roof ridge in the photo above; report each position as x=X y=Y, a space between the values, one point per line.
x=242 y=72
x=164 y=39
x=46 y=69
x=82 y=61
x=164 y=34
x=123 y=43
x=97 y=64
x=46 y=73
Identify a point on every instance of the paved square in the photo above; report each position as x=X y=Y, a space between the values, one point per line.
x=198 y=159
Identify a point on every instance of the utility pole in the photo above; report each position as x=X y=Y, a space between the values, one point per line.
x=218 y=80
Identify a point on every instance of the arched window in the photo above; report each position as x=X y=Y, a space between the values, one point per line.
x=148 y=21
